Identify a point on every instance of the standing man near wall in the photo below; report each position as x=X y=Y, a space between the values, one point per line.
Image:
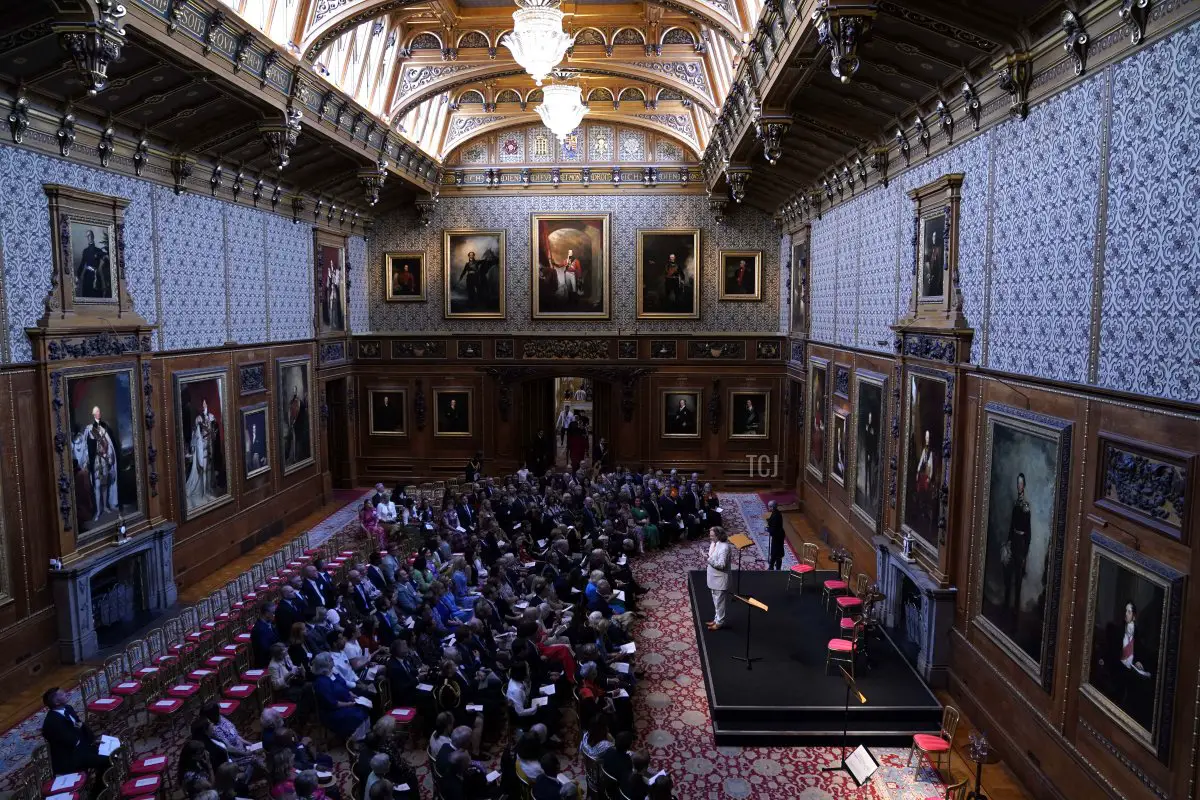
x=775 y=529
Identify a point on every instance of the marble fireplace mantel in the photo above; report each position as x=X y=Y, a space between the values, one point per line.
x=72 y=587
x=936 y=612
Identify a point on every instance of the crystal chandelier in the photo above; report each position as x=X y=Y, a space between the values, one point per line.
x=537 y=41
x=562 y=108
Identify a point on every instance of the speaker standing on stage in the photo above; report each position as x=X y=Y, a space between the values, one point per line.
x=775 y=529
x=720 y=557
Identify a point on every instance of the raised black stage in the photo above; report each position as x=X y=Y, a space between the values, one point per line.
x=787 y=698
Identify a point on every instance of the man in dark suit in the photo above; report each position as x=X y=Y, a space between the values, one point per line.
x=616 y=760
x=775 y=529
x=547 y=786
x=291 y=609
x=600 y=454
x=263 y=634
x=375 y=572
x=359 y=594
x=72 y=745
x=316 y=591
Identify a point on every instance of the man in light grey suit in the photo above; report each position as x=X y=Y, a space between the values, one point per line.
x=720 y=557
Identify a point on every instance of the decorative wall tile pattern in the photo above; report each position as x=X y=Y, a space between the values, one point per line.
x=631 y=145
x=192 y=266
x=289 y=265
x=245 y=246
x=1047 y=170
x=878 y=263
x=540 y=144
x=1150 y=317
x=510 y=147
x=785 y=282
x=359 y=266
x=746 y=229
x=849 y=227
x=823 y=272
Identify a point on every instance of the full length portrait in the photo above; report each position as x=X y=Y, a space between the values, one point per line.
x=331 y=289
x=924 y=462
x=749 y=414
x=473 y=274
x=294 y=415
x=668 y=274
x=818 y=410
x=1023 y=530
x=256 y=453
x=91 y=261
x=103 y=449
x=571 y=270
x=868 y=446
x=680 y=414
x=203 y=441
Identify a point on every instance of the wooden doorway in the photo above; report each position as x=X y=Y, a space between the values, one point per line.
x=337 y=439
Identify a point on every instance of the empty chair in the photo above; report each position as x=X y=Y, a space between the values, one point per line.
x=936 y=746
x=808 y=564
x=835 y=587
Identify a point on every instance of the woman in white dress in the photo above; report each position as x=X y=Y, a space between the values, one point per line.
x=199 y=479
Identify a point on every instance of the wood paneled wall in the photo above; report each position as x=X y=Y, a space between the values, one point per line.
x=1060 y=741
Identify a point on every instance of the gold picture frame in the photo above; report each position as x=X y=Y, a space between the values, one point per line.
x=753 y=422
x=401 y=285
x=474 y=276
x=582 y=287
x=331 y=312
x=448 y=418
x=256 y=453
x=205 y=407
x=674 y=422
x=738 y=281
x=385 y=417
x=668 y=288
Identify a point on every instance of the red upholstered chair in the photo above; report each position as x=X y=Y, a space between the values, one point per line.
x=851 y=603
x=808 y=564
x=844 y=651
x=840 y=585
x=936 y=746
x=102 y=709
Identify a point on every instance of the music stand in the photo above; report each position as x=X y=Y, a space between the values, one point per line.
x=861 y=764
x=740 y=541
x=751 y=604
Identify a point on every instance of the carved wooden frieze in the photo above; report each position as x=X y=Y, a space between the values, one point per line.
x=332 y=353
x=726 y=350
x=252 y=378
x=424 y=349
x=370 y=350
x=97 y=345
x=664 y=348
x=563 y=349
x=505 y=348
x=627 y=348
x=766 y=350
x=472 y=348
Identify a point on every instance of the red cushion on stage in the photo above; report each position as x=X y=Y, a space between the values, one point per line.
x=833 y=585
x=931 y=743
x=849 y=601
x=803 y=569
x=846 y=623
x=841 y=645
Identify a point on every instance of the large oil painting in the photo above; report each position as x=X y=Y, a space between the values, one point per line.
x=1022 y=526
x=294 y=385
x=453 y=412
x=256 y=453
x=749 y=414
x=403 y=277
x=387 y=407
x=102 y=415
x=867 y=423
x=331 y=289
x=91 y=260
x=473 y=274
x=680 y=413
x=741 y=275
x=818 y=410
x=799 y=277
x=932 y=260
x=202 y=438
x=668 y=274
x=570 y=269
x=1132 y=641
x=924 y=433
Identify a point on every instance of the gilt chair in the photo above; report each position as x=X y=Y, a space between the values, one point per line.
x=835 y=587
x=844 y=651
x=936 y=746
x=808 y=564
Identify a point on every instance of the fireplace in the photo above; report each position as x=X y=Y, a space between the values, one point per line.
x=107 y=597
x=916 y=613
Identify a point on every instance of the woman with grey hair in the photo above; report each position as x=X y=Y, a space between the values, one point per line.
x=271 y=722
x=336 y=706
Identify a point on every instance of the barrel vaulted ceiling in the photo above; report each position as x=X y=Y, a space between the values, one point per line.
x=435 y=69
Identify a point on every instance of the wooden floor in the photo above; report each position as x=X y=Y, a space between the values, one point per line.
x=999 y=783
x=19 y=702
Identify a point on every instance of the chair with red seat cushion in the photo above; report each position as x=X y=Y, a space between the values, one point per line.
x=936 y=746
x=808 y=564
x=101 y=707
x=844 y=651
x=835 y=587
x=851 y=603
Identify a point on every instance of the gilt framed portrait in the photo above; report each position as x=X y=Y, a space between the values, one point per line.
x=331 y=284
x=741 y=275
x=818 y=409
x=570 y=269
x=1132 y=641
x=387 y=412
x=101 y=406
x=668 y=274
x=1146 y=484
x=867 y=422
x=404 y=277
x=749 y=414
x=837 y=455
x=931 y=258
x=256 y=454
x=202 y=440
x=799 y=286
x=293 y=380
x=924 y=463
x=1020 y=532
x=453 y=412
x=92 y=244
x=473 y=274
x=680 y=409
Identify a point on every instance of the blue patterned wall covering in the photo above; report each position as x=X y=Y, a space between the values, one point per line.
x=744 y=229
x=290 y=287
x=1029 y=290
x=356 y=257
x=1150 y=323
x=1040 y=296
x=785 y=277
x=246 y=246
x=191 y=261
x=192 y=241
x=25 y=235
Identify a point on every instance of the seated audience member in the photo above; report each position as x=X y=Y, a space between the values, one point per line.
x=223 y=731
x=635 y=785
x=383 y=790
x=195 y=773
x=287 y=679
x=263 y=634
x=595 y=740
x=307 y=787
x=380 y=765
x=453 y=783
x=440 y=737
x=460 y=740
x=386 y=510
x=616 y=760
x=375 y=572
x=547 y=785
x=72 y=745
x=336 y=707
x=661 y=787
x=529 y=752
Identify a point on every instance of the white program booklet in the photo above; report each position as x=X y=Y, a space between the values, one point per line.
x=622 y=668
x=108 y=745
x=629 y=647
x=363 y=701
x=547 y=690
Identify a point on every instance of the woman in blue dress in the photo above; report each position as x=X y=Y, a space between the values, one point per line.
x=335 y=704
